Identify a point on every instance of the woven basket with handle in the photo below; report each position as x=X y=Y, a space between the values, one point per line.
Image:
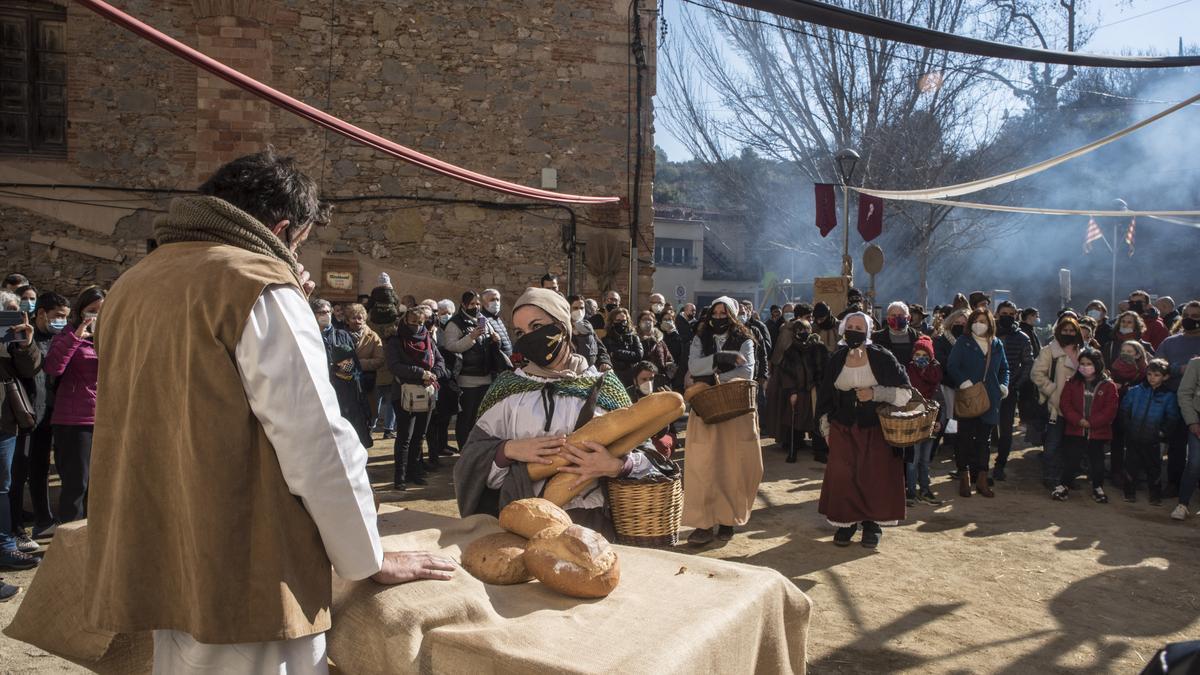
x=902 y=428
x=647 y=512
x=726 y=401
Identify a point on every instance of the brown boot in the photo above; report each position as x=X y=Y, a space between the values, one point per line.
x=981 y=485
x=964 y=483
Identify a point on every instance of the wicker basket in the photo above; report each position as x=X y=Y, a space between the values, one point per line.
x=647 y=512
x=725 y=401
x=902 y=432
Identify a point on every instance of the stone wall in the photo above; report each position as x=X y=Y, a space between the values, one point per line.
x=505 y=88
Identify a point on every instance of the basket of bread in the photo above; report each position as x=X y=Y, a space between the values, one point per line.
x=910 y=423
x=722 y=402
x=541 y=542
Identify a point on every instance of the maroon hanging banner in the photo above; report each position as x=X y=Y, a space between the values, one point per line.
x=826 y=208
x=870 y=216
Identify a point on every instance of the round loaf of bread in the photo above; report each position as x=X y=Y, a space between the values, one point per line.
x=576 y=561
x=497 y=559
x=527 y=517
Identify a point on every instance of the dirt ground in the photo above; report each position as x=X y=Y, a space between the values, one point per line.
x=1015 y=584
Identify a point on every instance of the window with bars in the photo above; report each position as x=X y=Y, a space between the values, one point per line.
x=673 y=252
x=33 y=78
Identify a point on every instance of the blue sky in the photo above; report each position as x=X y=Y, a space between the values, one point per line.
x=1134 y=26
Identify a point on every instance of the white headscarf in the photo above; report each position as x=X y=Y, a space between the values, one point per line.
x=866 y=317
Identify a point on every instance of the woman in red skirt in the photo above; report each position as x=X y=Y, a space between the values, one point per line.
x=864 y=479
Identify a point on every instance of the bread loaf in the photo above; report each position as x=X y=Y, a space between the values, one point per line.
x=527 y=517
x=497 y=559
x=559 y=489
x=654 y=411
x=694 y=389
x=576 y=561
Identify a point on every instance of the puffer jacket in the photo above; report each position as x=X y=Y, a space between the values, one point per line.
x=1019 y=351
x=73 y=361
x=1105 y=404
x=1051 y=371
x=1148 y=414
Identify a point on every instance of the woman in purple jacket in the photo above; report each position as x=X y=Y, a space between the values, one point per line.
x=72 y=359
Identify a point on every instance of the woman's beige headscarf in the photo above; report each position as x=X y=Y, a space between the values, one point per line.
x=557 y=307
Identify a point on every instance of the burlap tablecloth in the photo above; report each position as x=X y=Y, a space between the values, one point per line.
x=671 y=613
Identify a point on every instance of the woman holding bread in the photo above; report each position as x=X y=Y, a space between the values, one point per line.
x=724 y=461
x=520 y=437
x=864 y=478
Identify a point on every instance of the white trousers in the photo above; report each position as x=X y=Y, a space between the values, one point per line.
x=177 y=653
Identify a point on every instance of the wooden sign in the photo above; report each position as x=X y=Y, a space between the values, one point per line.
x=831 y=291
x=339 y=279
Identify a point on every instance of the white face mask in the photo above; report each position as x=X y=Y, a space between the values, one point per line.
x=788 y=316
x=979 y=329
x=493 y=307
x=647 y=387
x=323 y=320
x=647 y=325
x=1095 y=314
x=668 y=326
x=443 y=319
x=577 y=315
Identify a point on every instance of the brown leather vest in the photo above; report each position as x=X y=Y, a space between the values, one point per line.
x=191 y=525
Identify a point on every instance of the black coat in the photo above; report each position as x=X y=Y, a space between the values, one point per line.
x=1018 y=351
x=625 y=350
x=843 y=406
x=586 y=344
x=406 y=370
x=902 y=351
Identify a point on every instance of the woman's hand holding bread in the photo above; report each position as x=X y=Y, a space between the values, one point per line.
x=537 y=450
x=590 y=461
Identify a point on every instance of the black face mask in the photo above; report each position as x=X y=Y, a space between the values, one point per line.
x=957 y=331
x=854 y=338
x=1189 y=324
x=472 y=311
x=801 y=336
x=1067 y=340
x=1006 y=323
x=825 y=323
x=610 y=307
x=543 y=346
x=1139 y=307
x=621 y=326
x=719 y=325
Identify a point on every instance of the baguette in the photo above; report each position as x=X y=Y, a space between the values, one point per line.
x=608 y=429
x=559 y=490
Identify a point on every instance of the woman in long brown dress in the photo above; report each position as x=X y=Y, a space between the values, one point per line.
x=723 y=464
x=864 y=478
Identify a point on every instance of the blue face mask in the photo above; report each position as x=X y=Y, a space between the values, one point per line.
x=57 y=325
x=28 y=306
x=788 y=316
x=921 y=361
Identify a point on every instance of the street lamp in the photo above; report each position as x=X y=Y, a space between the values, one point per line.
x=1124 y=206
x=846 y=159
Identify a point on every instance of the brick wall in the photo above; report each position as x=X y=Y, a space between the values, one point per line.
x=506 y=88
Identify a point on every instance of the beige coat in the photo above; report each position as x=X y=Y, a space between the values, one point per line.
x=1051 y=386
x=369 y=350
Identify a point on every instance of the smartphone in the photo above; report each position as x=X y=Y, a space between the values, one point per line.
x=9 y=320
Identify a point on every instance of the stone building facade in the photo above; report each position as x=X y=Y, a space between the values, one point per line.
x=508 y=88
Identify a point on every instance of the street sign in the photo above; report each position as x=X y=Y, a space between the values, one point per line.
x=680 y=293
x=873 y=259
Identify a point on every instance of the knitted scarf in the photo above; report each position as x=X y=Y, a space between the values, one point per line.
x=201 y=218
x=612 y=393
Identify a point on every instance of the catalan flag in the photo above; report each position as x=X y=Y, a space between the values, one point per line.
x=1129 y=234
x=1093 y=235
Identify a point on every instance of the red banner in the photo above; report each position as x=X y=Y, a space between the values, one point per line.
x=826 y=208
x=870 y=216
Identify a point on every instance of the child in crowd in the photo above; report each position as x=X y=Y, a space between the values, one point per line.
x=1089 y=405
x=1149 y=411
x=925 y=374
x=1130 y=367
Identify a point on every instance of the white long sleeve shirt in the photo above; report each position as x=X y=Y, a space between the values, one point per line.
x=286 y=377
x=703 y=366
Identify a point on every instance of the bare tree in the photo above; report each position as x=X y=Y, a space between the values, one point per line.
x=1049 y=24
x=797 y=93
